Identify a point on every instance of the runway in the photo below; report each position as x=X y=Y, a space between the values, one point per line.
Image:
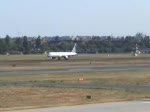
x=130 y=106
x=71 y=70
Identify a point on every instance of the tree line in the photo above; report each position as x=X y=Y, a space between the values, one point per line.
x=96 y=44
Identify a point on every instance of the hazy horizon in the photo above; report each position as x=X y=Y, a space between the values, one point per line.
x=74 y=17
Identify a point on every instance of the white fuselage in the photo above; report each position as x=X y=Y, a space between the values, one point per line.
x=65 y=55
x=61 y=54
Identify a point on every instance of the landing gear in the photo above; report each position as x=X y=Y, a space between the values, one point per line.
x=65 y=58
x=53 y=58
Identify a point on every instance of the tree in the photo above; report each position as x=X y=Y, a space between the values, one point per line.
x=26 y=47
x=7 y=39
x=7 y=42
x=38 y=42
x=18 y=43
x=56 y=38
x=2 y=46
x=140 y=35
x=147 y=41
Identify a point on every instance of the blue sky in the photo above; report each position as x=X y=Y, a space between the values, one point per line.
x=74 y=17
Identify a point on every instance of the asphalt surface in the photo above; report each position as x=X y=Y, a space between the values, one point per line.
x=67 y=70
x=87 y=86
x=133 y=106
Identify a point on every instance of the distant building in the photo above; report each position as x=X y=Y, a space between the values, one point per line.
x=145 y=50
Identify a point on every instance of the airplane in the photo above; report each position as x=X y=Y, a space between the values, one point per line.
x=64 y=55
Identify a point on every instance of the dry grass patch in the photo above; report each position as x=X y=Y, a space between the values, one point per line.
x=105 y=78
x=11 y=96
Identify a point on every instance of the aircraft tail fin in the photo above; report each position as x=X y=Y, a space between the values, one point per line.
x=74 y=48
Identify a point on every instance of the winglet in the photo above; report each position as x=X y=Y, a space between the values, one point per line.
x=74 y=48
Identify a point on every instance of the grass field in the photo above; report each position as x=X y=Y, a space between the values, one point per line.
x=34 y=96
x=141 y=78
x=22 y=62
